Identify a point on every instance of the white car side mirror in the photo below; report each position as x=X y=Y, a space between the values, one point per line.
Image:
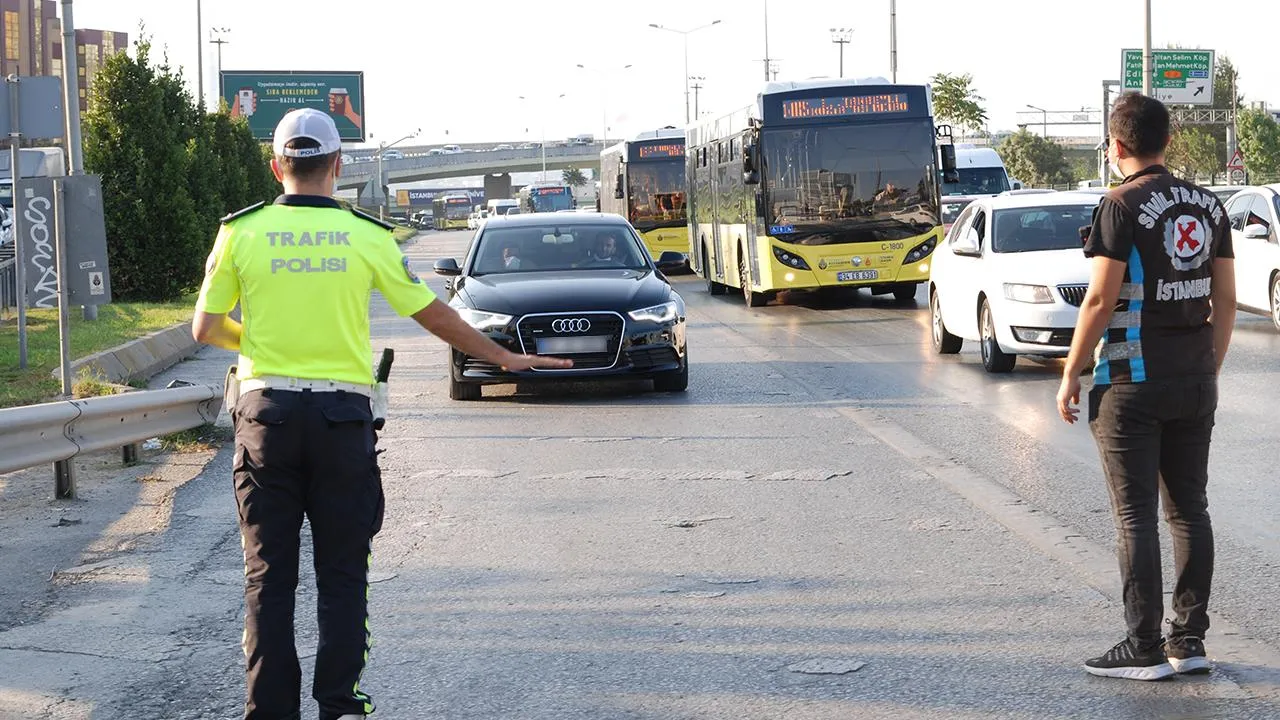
x=967 y=244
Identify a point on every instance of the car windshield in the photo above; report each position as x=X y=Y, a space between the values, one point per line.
x=1031 y=229
x=978 y=181
x=548 y=246
x=830 y=184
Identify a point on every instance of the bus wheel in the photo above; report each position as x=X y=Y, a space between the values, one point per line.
x=713 y=287
x=752 y=298
x=903 y=293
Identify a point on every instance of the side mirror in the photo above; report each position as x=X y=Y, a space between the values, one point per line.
x=1257 y=232
x=948 y=158
x=447 y=267
x=749 y=164
x=618 y=192
x=751 y=177
x=967 y=244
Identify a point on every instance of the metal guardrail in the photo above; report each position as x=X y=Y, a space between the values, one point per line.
x=46 y=433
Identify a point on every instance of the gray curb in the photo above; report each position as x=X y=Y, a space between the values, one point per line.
x=140 y=359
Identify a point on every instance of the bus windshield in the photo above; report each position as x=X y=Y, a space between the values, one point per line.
x=656 y=197
x=457 y=211
x=829 y=184
x=551 y=200
x=978 y=181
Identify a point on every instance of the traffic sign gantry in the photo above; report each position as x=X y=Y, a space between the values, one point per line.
x=1181 y=77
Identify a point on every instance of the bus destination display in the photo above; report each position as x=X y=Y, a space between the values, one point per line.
x=845 y=106
x=458 y=200
x=669 y=150
x=551 y=191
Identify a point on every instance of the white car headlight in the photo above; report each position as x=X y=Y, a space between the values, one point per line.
x=1038 y=294
x=666 y=312
x=482 y=320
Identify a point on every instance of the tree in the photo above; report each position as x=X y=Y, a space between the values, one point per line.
x=1035 y=160
x=1193 y=152
x=136 y=135
x=955 y=101
x=574 y=177
x=1224 y=80
x=169 y=172
x=1260 y=145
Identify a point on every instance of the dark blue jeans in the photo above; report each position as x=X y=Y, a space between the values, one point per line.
x=1154 y=441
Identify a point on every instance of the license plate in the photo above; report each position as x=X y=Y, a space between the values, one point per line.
x=852 y=275
x=573 y=345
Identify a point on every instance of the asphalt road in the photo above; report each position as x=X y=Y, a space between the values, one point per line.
x=826 y=492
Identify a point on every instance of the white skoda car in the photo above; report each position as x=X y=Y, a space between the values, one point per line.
x=1011 y=275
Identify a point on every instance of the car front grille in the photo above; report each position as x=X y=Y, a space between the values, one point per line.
x=611 y=325
x=650 y=357
x=1073 y=294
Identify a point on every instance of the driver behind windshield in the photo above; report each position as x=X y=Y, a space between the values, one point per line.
x=608 y=250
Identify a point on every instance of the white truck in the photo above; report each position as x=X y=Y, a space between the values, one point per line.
x=980 y=173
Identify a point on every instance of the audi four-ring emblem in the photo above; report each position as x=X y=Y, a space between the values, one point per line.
x=570 y=325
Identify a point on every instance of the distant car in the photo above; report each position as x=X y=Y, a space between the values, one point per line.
x=545 y=284
x=1224 y=192
x=451 y=149
x=1254 y=213
x=1011 y=275
x=435 y=151
x=530 y=146
x=392 y=155
x=504 y=146
x=347 y=159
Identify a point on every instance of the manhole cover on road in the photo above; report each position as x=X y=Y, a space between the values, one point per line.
x=823 y=666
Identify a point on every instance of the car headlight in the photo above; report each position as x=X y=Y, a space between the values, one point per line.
x=666 y=312
x=481 y=320
x=1037 y=294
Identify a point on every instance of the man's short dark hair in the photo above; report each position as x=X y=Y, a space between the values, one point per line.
x=305 y=168
x=1140 y=124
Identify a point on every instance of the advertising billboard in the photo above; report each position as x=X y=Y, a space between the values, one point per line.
x=263 y=97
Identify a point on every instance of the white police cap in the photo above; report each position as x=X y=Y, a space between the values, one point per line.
x=306 y=123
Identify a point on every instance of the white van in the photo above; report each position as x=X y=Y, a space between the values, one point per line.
x=500 y=207
x=981 y=172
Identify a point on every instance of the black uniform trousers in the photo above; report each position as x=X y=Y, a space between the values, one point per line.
x=306 y=453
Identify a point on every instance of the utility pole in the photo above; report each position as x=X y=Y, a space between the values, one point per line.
x=696 y=87
x=893 y=41
x=841 y=37
x=199 y=54
x=767 y=66
x=1147 y=60
x=71 y=98
x=215 y=38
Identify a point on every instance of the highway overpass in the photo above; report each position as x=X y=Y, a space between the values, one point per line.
x=362 y=176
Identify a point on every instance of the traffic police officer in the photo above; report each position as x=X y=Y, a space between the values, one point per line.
x=302 y=270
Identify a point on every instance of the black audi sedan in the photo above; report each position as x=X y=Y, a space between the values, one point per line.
x=573 y=285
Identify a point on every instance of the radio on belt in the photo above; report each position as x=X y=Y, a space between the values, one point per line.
x=380 y=392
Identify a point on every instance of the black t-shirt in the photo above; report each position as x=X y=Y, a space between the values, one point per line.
x=1168 y=232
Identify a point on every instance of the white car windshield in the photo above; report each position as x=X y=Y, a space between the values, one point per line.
x=1029 y=229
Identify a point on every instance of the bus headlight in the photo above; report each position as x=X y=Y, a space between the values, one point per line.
x=791 y=260
x=920 y=251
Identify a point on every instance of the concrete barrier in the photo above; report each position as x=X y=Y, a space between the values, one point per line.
x=139 y=359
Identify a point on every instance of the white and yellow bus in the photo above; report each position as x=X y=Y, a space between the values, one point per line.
x=818 y=184
x=643 y=180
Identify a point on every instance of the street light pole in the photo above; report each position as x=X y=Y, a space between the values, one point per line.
x=199 y=54
x=686 y=34
x=1044 y=118
x=893 y=41
x=841 y=37
x=1146 y=52
x=215 y=38
x=543 y=144
x=384 y=208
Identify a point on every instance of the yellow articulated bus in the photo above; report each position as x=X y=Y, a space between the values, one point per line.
x=450 y=211
x=818 y=184
x=643 y=180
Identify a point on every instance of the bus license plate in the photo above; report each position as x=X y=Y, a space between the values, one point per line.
x=852 y=275
x=573 y=345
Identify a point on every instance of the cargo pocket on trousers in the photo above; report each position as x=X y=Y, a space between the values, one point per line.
x=352 y=425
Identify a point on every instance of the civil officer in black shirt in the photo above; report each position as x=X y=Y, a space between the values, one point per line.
x=1159 y=312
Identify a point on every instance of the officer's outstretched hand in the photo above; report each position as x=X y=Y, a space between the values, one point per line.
x=517 y=363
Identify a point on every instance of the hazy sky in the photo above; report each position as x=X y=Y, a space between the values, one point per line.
x=460 y=66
